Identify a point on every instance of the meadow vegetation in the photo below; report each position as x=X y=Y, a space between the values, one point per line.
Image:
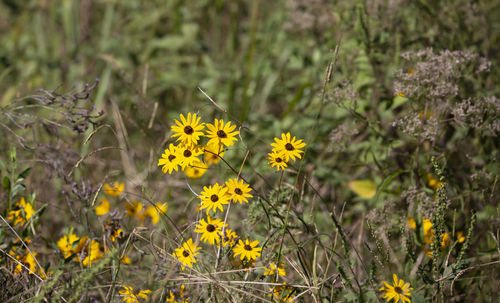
x=249 y=151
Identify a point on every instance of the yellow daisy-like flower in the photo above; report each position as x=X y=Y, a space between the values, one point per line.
x=445 y=240
x=188 y=130
x=210 y=230
x=134 y=209
x=428 y=231
x=238 y=190
x=278 y=160
x=288 y=146
x=177 y=295
x=29 y=262
x=114 y=190
x=398 y=291
x=213 y=197
x=273 y=269
x=186 y=253
x=116 y=234
x=132 y=296
x=86 y=252
x=460 y=237
x=221 y=134
x=22 y=212
x=66 y=244
x=102 y=208
x=169 y=159
x=247 y=249
x=229 y=237
x=213 y=152
x=433 y=182
x=282 y=293
x=125 y=260
x=187 y=155
x=154 y=211
x=196 y=170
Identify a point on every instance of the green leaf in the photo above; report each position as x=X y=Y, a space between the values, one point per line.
x=17 y=188
x=6 y=183
x=25 y=173
x=386 y=182
x=364 y=188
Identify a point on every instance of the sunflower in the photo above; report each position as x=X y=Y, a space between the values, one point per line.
x=273 y=269
x=229 y=237
x=210 y=230
x=398 y=291
x=213 y=152
x=135 y=209
x=186 y=253
x=282 y=293
x=288 y=146
x=221 y=134
x=169 y=159
x=278 y=160
x=22 y=213
x=238 y=190
x=66 y=243
x=102 y=208
x=114 y=190
x=247 y=249
x=187 y=155
x=188 y=130
x=214 y=197
x=116 y=234
x=178 y=293
x=196 y=170
x=132 y=296
x=154 y=211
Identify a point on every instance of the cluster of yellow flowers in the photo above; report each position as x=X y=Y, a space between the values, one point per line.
x=428 y=235
x=186 y=156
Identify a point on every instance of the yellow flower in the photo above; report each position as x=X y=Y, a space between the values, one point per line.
x=188 y=130
x=282 y=293
x=460 y=237
x=102 y=208
x=177 y=295
x=428 y=231
x=155 y=211
x=66 y=243
x=29 y=262
x=221 y=134
x=116 y=234
x=213 y=152
x=134 y=209
x=22 y=212
x=196 y=170
x=213 y=197
x=411 y=223
x=132 y=296
x=229 y=237
x=247 y=249
x=278 y=160
x=433 y=182
x=114 y=190
x=445 y=240
x=187 y=155
x=125 y=260
x=86 y=252
x=186 y=253
x=272 y=269
x=401 y=94
x=210 y=230
x=238 y=190
x=398 y=291
x=169 y=159
x=288 y=146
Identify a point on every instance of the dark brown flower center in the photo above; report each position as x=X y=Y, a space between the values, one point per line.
x=188 y=130
x=196 y=171
x=398 y=290
x=214 y=198
x=221 y=134
x=187 y=153
x=248 y=247
x=238 y=191
x=210 y=228
x=289 y=146
x=278 y=160
x=185 y=253
x=171 y=157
